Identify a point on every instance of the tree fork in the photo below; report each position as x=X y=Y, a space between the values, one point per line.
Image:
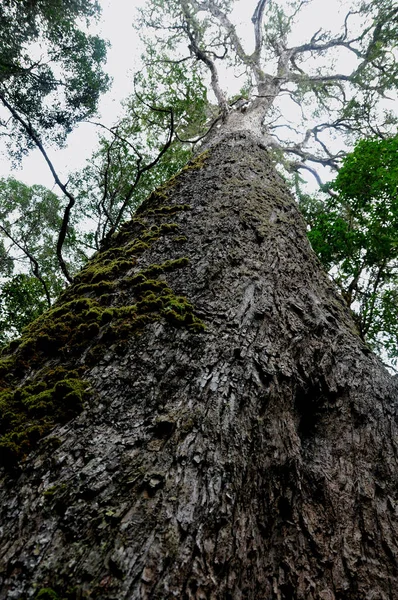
x=256 y=460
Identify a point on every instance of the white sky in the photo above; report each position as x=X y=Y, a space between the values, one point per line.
x=125 y=50
x=115 y=26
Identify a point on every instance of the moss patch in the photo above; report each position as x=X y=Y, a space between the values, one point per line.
x=47 y=594
x=31 y=410
x=97 y=310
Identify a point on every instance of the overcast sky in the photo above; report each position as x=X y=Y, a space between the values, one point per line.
x=125 y=50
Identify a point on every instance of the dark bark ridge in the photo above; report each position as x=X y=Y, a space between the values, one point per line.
x=254 y=460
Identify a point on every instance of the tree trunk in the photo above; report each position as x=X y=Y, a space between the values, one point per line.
x=253 y=460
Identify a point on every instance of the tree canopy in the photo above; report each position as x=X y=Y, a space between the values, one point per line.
x=354 y=231
x=279 y=72
x=51 y=73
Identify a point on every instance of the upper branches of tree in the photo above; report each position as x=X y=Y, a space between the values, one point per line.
x=340 y=81
x=50 y=69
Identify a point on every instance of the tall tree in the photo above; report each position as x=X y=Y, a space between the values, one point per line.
x=198 y=417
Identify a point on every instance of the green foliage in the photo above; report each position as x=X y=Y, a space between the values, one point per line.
x=30 y=219
x=168 y=105
x=355 y=234
x=21 y=301
x=50 y=68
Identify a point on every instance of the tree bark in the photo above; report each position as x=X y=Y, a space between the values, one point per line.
x=255 y=460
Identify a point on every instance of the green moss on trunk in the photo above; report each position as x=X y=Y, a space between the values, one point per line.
x=89 y=315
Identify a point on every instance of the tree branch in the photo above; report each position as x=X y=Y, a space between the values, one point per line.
x=252 y=61
x=297 y=166
x=65 y=221
x=144 y=169
x=257 y=20
x=203 y=56
x=34 y=264
x=324 y=161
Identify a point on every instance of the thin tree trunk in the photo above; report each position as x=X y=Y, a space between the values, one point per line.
x=255 y=460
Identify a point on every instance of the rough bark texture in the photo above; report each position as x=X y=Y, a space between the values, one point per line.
x=255 y=460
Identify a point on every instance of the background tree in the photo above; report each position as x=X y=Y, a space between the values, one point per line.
x=22 y=299
x=50 y=79
x=354 y=231
x=30 y=221
x=50 y=69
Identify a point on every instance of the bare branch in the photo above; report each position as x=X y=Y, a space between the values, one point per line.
x=105 y=186
x=297 y=166
x=315 y=47
x=65 y=221
x=257 y=20
x=330 y=161
x=252 y=61
x=114 y=132
x=145 y=168
x=201 y=137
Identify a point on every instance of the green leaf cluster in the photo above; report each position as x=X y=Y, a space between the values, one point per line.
x=30 y=219
x=21 y=301
x=354 y=231
x=50 y=67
